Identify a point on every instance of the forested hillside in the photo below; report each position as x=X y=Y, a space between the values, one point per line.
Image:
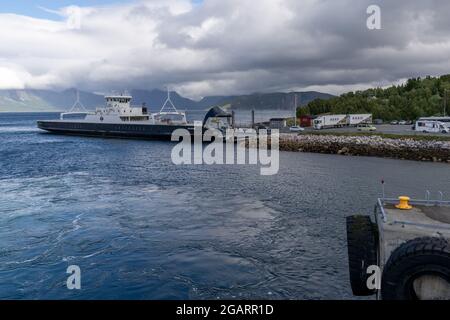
x=416 y=98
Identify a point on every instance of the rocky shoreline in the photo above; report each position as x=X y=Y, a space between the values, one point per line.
x=374 y=146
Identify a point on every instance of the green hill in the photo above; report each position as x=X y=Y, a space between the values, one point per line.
x=416 y=98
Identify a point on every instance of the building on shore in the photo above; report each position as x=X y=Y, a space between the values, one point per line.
x=306 y=121
x=278 y=123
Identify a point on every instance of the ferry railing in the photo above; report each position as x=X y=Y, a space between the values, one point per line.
x=72 y=113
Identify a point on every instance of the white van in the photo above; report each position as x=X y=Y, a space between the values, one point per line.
x=444 y=120
x=426 y=126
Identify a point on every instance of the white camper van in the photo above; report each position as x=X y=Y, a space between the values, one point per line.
x=427 y=126
x=444 y=120
x=330 y=121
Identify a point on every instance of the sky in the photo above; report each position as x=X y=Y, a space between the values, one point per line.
x=218 y=47
x=35 y=8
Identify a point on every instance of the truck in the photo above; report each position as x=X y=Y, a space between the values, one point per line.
x=330 y=121
x=341 y=120
x=356 y=119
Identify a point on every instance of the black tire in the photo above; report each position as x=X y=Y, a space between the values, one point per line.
x=362 y=244
x=413 y=259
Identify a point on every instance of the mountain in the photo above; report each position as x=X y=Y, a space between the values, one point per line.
x=156 y=98
x=274 y=101
x=270 y=101
x=215 y=101
x=47 y=100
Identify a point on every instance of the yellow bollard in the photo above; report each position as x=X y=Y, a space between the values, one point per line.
x=404 y=203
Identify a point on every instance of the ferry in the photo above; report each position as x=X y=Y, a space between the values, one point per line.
x=119 y=119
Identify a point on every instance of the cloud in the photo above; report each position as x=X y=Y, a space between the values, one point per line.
x=226 y=47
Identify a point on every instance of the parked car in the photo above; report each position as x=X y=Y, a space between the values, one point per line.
x=402 y=122
x=395 y=122
x=296 y=129
x=366 y=127
x=261 y=127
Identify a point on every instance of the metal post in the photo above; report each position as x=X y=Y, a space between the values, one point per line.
x=295 y=110
x=445 y=102
x=233 y=119
x=253 y=118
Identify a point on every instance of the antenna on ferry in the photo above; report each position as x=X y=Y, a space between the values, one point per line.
x=168 y=101
x=77 y=105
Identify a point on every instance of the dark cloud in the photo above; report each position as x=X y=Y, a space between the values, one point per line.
x=233 y=46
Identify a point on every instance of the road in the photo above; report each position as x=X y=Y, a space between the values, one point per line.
x=384 y=128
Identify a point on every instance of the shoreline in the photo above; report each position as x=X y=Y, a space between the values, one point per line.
x=370 y=146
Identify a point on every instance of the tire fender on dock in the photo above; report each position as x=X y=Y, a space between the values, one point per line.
x=362 y=244
x=418 y=269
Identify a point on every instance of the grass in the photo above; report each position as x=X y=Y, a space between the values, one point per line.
x=419 y=137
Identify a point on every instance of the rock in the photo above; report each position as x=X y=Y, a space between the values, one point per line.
x=438 y=151
x=344 y=150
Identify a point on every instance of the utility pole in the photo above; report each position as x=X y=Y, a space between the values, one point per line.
x=445 y=102
x=253 y=118
x=295 y=110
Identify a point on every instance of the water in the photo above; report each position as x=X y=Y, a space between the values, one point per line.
x=142 y=228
